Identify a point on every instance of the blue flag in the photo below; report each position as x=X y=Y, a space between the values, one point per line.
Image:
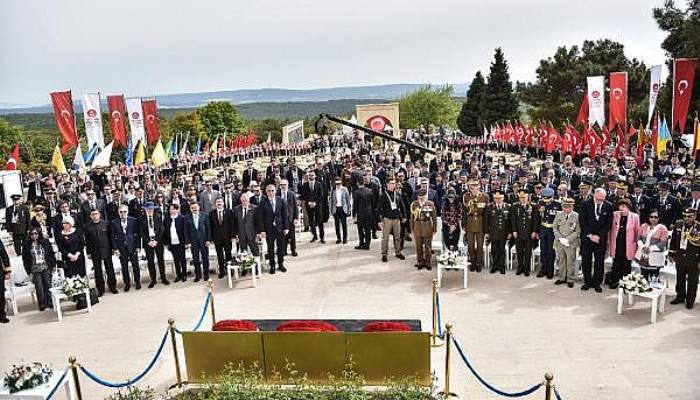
x=173 y=149
x=130 y=154
x=198 y=148
x=90 y=155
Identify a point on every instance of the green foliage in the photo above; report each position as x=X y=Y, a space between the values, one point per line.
x=427 y=106
x=219 y=117
x=471 y=118
x=247 y=383
x=561 y=80
x=499 y=102
x=682 y=27
x=187 y=123
x=133 y=393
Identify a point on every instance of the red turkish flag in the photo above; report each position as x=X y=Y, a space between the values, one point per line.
x=683 y=80
x=150 y=117
x=117 y=119
x=13 y=161
x=65 y=119
x=582 y=117
x=618 y=100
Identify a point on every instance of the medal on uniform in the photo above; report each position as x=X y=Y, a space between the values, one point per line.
x=684 y=240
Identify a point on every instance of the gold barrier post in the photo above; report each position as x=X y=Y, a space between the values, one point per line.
x=178 y=376
x=548 y=386
x=210 y=283
x=448 y=340
x=434 y=334
x=76 y=382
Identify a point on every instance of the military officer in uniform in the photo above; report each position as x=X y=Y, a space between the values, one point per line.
x=423 y=227
x=685 y=252
x=584 y=194
x=497 y=231
x=567 y=235
x=17 y=222
x=474 y=203
x=525 y=227
x=642 y=201
x=548 y=210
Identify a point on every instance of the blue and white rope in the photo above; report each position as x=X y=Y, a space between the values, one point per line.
x=58 y=385
x=439 y=316
x=201 y=317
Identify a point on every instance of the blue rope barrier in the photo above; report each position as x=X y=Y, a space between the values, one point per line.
x=132 y=381
x=201 y=317
x=58 y=385
x=439 y=315
x=556 y=393
x=486 y=384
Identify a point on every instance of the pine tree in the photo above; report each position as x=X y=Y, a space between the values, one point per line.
x=500 y=102
x=471 y=118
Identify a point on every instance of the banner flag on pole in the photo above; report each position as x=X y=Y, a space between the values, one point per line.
x=664 y=137
x=65 y=119
x=91 y=153
x=198 y=147
x=78 y=162
x=183 y=149
x=57 y=160
x=130 y=153
x=618 y=100
x=654 y=87
x=150 y=114
x=117 y=119
x=582 y=117
x=140 y=156
x=13 y=162
x=683 y=81
x=158 y=156
x=173 y=150
x=138 y=132
x=696 y=137
x=596 y=100
x=103 y=158
x=93 y=120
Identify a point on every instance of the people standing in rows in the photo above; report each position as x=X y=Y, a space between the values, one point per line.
x=39 y=263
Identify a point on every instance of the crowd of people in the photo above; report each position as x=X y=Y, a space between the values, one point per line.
x=481 y=197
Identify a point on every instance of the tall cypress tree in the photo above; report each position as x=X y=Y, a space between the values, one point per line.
x=471 y=118
x=500 y=102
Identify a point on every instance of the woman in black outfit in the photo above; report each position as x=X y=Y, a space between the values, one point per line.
x=71 y=244
x=39 y=262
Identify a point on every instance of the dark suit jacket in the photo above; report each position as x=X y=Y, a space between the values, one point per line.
x=670 y=212
x=255 y=200
x=247 y=228
x=98 y=239
x=32 y=193
x=158 y=228
x=291 y=202
x=249 y=175
x=199 y=234
x=274 y=219
x=180 y=227
x=85 y=209
x=591 y=225
x=22 y=225
x=125 y=242
x=221 y=232
x=135 y=208
x=315 y=195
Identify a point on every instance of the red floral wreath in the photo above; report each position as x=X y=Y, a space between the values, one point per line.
x=386 y=326
x=306 y=326
x=235 y=325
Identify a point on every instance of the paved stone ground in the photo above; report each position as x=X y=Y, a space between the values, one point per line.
x=513 y=328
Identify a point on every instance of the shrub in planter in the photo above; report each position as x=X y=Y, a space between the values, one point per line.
x=386 y=326
x=235 y=325
x=306 y=326
x=134 y=393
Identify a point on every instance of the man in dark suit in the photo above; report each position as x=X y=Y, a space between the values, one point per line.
x=35 y=191
x=199 y=234
x=91 y=203
x=290 y=201
x=249 y=174
x=668 y=205
x=112 y=200
x=221 y=222
x=312 y=194
x=246 y=225
x=152 y=232
x=275 y=221
x=17 y=222
x=230 y=197
x=596 y=218
x=136 y=204
x=125 y=242
x=175 y=237
x=98 y=241
x=362 y=209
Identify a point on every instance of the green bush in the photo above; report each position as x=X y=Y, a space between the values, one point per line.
x=246 y=383
x=133 y=393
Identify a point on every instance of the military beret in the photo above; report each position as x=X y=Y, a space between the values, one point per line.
x=497 y=194
x=523 y=194
x=584 y=185
x=547 y=192
x=689 y=211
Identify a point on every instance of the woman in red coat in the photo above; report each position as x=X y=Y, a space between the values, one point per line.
x=622 y=241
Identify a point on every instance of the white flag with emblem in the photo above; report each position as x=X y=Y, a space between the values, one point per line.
x=138 y=130
x=596 y=100
x=93 y=120
x=654 y=87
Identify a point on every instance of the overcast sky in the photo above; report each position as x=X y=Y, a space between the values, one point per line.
x=143 y=47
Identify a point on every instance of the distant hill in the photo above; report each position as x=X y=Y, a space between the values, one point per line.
x=260 y=96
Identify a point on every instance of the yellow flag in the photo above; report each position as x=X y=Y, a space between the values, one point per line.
x=57 y=161
x=140 y=154
x=215 y=146
x=159 y=156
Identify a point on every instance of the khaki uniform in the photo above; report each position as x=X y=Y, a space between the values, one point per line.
x=423 y=226
x=569 y=228
x=473 y=225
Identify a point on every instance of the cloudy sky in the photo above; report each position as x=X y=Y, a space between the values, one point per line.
x=144 y=47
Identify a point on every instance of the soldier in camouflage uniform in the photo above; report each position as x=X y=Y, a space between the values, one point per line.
x=423 y=226
x=474 y=203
